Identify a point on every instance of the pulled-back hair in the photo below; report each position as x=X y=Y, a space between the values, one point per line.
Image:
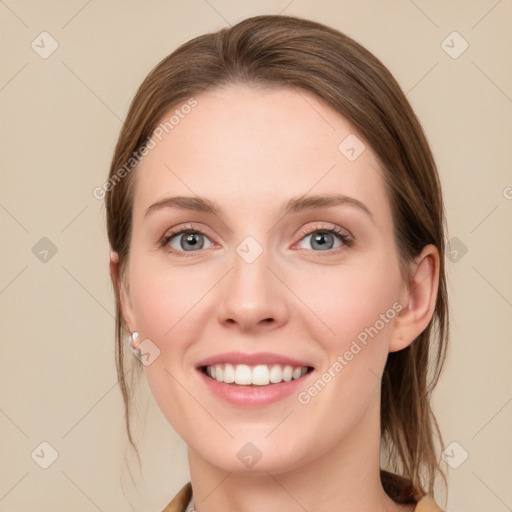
x=274 y=51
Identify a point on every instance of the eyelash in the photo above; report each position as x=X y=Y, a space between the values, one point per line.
x=345 y=239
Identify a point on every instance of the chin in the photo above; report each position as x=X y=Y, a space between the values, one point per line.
x=253 y=457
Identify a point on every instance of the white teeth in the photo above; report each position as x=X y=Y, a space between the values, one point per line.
x=297 y=373
x=229 y=373
x=276 y=374
x=258 y=375
x=243 y=374
x=287 y=373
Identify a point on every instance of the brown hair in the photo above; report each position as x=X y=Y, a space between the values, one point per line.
x=287 y=51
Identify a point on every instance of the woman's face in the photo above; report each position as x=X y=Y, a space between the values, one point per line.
x=263 y=174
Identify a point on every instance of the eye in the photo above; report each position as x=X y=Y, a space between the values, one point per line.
x=186 y=240
x=323 y=238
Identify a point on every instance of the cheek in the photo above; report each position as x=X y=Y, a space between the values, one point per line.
x=165 y=300
x=344 y=302
x=169 y=306
x=357 y=305
x=357 y=308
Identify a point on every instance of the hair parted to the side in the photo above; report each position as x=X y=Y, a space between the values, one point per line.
x=273 y=51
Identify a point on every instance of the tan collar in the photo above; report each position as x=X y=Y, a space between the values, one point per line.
x=398 y=488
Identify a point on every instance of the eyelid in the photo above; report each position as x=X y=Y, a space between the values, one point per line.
x=324 y=226
x=181 y=228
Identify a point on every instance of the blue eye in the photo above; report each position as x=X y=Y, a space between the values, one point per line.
x=186 y=240
x=325 y=239
x=322 y=241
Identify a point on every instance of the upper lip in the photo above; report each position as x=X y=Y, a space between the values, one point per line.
x=251 y=359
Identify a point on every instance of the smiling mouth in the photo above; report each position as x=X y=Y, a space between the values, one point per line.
x=254 y=375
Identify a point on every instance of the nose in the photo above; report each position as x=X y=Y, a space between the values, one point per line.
x=252 y=298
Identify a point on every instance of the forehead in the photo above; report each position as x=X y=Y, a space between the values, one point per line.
x=244 y=144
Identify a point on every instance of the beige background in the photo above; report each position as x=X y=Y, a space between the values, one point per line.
x=60 y=119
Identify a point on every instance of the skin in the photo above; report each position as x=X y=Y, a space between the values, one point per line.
x=250 y=150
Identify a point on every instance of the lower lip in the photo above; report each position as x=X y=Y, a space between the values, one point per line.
x=255 y=396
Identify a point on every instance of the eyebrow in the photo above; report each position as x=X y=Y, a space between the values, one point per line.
x=294 y=205
x=323 y=201
x=198 y=204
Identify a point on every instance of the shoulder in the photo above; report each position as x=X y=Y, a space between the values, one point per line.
x=427 y=504
x=401 y=490
x=181 y=500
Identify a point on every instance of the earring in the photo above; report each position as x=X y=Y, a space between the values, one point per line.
x=133 y=342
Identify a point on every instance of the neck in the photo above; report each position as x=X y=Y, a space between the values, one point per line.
x=345 y=478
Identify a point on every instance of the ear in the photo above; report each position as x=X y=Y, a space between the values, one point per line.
x=121 y=287
x=418 y=299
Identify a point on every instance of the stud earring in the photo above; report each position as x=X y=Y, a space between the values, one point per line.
x=133 y=342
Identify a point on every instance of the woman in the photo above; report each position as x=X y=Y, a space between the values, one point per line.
x=277 y=232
